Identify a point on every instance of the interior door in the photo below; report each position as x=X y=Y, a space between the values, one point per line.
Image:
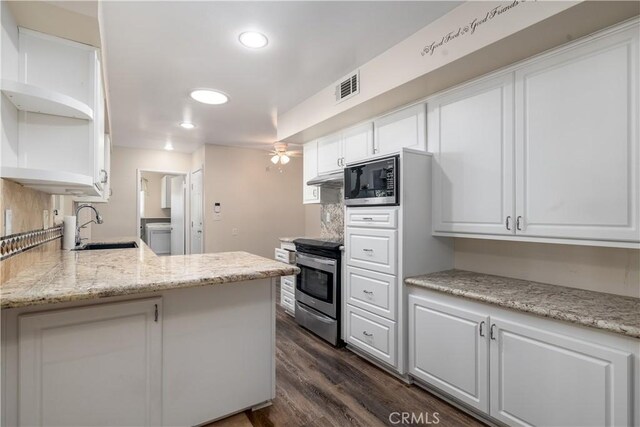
x=177 y=215
x=196 y=212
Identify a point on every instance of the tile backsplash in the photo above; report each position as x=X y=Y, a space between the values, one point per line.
x=27 y=206
x=332 y=218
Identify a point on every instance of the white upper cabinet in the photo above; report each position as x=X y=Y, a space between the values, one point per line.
x=577 y=141
x=329 y=154
x=357 y=143
x=548 y=149
x=351 y=145
x=471 y=136
x=55 y=115
x=311 y=193
x=403 y=128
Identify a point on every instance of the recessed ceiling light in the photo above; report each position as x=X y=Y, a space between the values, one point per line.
x=209 y=96
x=187 y=125
x=168 y=146
x=253 y=39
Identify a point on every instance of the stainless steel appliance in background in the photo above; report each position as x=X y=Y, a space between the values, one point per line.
x=318 y=305
x=372 y=183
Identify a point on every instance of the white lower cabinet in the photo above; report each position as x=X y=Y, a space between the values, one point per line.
x=373 y=334
x=546 y=379
x=72 y=361
x=521 y=369
x=449 y=349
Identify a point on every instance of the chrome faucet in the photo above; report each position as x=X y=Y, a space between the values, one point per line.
x=98 y=220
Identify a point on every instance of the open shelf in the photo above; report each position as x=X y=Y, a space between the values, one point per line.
x=52 y=182
x=35 y=99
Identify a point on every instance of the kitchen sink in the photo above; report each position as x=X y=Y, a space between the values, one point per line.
x=100 y=246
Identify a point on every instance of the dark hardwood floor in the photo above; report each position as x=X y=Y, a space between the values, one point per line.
x=319 y=385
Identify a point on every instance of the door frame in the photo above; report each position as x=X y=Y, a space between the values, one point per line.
x=201 y=170
x=187 y=208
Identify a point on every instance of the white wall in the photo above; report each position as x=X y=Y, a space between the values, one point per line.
x=610 y=270
x=120 y=213
x=257 y=200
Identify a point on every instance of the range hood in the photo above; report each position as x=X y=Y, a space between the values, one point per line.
x=332 y=180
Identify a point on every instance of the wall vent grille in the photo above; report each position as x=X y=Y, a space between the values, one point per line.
x=348 y=87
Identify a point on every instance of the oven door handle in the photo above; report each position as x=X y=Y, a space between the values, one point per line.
x=303 y=257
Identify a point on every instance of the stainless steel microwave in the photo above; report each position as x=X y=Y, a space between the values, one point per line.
x=372 y=183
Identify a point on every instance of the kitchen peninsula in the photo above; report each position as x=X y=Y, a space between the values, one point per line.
x=178 y=340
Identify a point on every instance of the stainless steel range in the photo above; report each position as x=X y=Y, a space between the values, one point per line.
x=318 y=287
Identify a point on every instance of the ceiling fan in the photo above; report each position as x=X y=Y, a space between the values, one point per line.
x=280 y=155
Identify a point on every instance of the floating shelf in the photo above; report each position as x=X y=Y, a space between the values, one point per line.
x=36 y=99
x=52 y=182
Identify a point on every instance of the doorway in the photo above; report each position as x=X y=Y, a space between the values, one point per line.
x=162 y=210
x=197 y=242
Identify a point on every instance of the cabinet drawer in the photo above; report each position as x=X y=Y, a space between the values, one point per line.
x=372 y=334
x=284 y=255
x=288 y=283
x=379 y=218
x=372 y=249
x=287 y=300
x=375 y=292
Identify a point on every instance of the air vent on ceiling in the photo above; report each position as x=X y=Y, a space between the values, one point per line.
x=348 y=86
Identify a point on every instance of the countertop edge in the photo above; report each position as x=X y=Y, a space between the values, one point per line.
x=149 y=288
x=515 y=305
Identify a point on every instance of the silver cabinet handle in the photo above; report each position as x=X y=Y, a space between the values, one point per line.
x=367 y=219
x=367 y=250
x=105 y=176
x=366 y=334
x=367 y=292
x=507 y=223
x=338 y=161
x=491 y=332
x=482 y=328
x=518 y=225
x=315 y=192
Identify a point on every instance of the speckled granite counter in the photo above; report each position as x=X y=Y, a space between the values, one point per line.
x=612 y=313
x=81 y=275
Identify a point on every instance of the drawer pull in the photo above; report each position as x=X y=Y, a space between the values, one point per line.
x=367 y=219
x=367 y=292
x=366 y=334
x=367 y=250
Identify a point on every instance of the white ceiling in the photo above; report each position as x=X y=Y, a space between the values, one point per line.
x=158 y=51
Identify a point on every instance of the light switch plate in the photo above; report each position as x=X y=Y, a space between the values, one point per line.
x=8 y=222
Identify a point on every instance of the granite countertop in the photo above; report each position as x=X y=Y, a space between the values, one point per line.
x=81 y=275
x=613 y=313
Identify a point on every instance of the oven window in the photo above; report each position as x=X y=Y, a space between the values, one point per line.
x=316 y=283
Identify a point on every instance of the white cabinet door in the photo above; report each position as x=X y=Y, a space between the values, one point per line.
x=311 y=193
x=404 y=128
x=577 y=142
x=357 y=143
x=72 y=361
x=449 y=349
x=329 y=154
x=471 y=136
x=546 y=379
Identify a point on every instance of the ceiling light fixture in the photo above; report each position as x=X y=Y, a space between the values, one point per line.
x=280 y=154
x=168 y=146
x=253 y=39
x=187 y=125
x=209 y=96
